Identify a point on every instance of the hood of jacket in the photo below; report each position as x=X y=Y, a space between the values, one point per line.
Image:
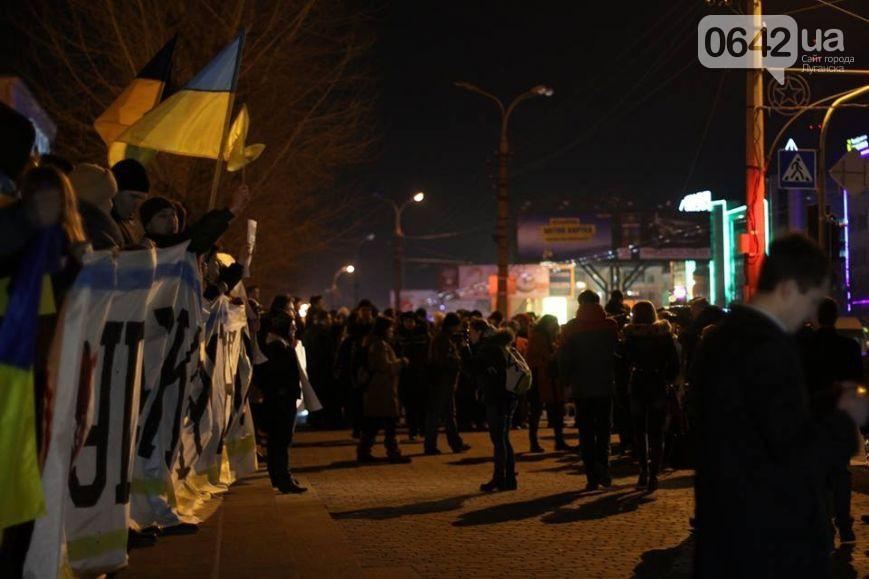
x=659 y=328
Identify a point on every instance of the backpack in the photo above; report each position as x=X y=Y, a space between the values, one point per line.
x=518 y=374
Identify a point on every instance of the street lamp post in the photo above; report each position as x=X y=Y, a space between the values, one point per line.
x=348 y=269
x=398 y=246
x=503 y=207
x=366 y=239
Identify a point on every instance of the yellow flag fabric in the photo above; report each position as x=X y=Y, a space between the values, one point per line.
x=237 y=154
x=136 y=100
x=21 y=496
x=187 y=123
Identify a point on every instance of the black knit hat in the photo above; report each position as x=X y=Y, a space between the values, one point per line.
x=152 y=207
x=452 y=320
x=131 y=176
x=17 y=141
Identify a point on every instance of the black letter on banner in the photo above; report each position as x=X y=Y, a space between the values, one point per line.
x=169 y=374
x=134 y=336
x=230 y=338
x=88 y=495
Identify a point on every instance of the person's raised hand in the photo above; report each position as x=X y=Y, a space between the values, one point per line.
x=240 y=199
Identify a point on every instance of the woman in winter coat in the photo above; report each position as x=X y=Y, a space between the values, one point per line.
x=489 y=367
x=380 y=402
x=653 y=362
x=545 y=392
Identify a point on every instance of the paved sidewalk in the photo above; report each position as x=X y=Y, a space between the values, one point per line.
x=428 y=519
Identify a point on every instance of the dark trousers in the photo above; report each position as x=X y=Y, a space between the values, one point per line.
x=554 y=416
x=839 y=482
x=593 y=418
x=280 y=427
x=13 y=549
x=370 y=428
x=441 y=406
x=413 y=400
x=649 y=416
x=499 y=416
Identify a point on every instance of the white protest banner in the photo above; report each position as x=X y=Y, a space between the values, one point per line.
x=172 y=336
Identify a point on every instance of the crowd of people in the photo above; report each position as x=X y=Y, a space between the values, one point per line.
x=768 y=420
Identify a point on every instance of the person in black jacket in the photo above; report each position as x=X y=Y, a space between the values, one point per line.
x=161 y=219
x=280 y=383
x=830 y=360
x=445 y=361
x=763 y=455
x=489 y=367
x=413 y=342
x=653 y=362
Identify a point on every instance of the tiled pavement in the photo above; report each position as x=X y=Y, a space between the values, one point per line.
x=428 y=519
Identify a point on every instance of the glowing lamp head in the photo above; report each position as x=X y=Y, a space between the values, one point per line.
x=418 y=197
x=349 y=268
x=543 y=90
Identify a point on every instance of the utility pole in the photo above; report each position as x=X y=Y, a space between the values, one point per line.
x=502 y=223
x=398 y=246
x=755 y=185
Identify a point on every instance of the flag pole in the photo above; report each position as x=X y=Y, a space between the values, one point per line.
x=215 y=183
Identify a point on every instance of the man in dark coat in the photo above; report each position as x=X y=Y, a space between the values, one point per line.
x=587 y=363
x=320 y=350
x=445 y=363
x=413 y=343
x=133 y=188
x=763 y=456
x=830 y=360
x=281 y=388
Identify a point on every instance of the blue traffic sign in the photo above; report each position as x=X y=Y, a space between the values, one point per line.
x=797 y=169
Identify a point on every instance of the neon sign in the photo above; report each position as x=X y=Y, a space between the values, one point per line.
x=696 y=202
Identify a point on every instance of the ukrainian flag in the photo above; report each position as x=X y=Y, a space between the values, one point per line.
x=21 y=494
x=192 y=122
x=140 y=96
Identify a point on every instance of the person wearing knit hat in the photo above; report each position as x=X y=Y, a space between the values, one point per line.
x=133 y=188
x=161 y=219
x=95 y=187
x=16 y=144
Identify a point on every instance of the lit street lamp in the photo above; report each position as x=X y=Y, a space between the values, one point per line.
x=398 y=243
x=503 y=215
x=348 y=269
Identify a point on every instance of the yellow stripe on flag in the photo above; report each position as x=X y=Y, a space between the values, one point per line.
x=187 y=123
x=21 y=494
x=138 y=98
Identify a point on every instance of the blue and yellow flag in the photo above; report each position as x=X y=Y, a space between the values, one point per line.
x=192 y=121
x=140 y=96
x=21 y=495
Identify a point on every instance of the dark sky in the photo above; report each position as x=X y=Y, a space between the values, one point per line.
x=627 y=119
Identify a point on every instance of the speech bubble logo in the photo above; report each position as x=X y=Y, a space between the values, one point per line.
x=770 y=42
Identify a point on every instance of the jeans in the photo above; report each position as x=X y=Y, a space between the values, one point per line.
x=499 y=415
x=593 y=417
x=373 y=425
x=441 y=406
x=280 y=426
x=839 y=481
x=649 y=416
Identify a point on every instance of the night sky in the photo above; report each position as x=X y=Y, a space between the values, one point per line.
x=628 y=118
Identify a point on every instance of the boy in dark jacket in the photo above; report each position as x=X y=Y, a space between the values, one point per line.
x=445 y=363
x=587 y=364
x=489 y=367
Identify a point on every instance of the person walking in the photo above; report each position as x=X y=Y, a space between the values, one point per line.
x=380 y=403
x=444 y=363
x=545 y=390
x=489 y=368
x=763 y=456
x=586 y=363
x=653 y=363
x=829 y=361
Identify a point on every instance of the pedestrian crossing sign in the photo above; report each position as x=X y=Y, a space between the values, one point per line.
x=797 y=169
